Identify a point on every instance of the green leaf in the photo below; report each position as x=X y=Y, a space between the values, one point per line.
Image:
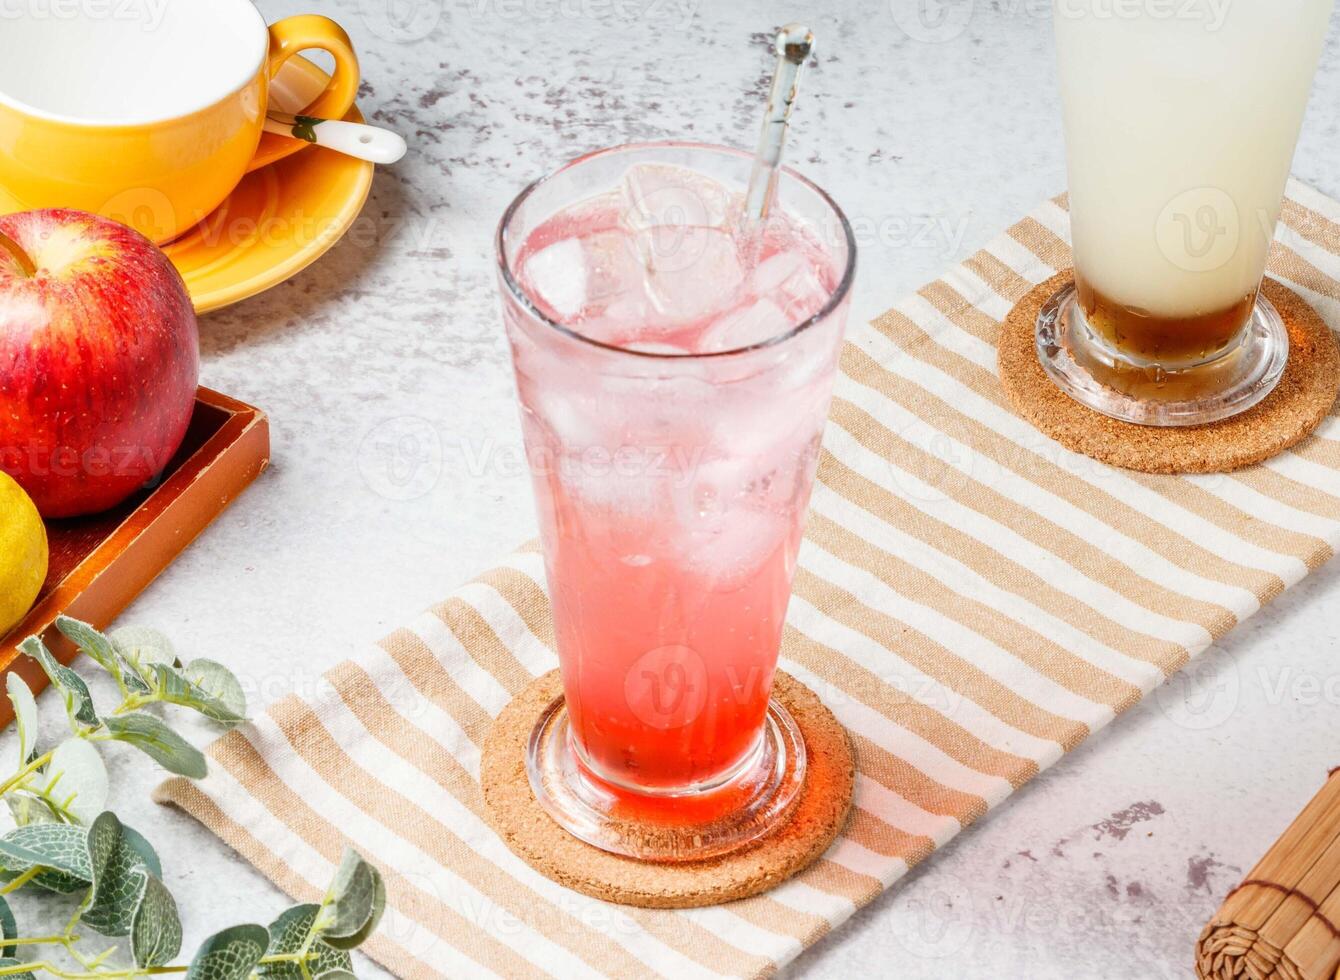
x=170 y=684
x=60 y=849
x=58 y=882
x=142 y=646
x=27 y=809
x=119 y=875
x=337 y=974
x=222 y=687
x=175 y=687
x=9 y=926
x=10 y=961
x=25 y=716
x=229 y=955
x=355 y=902
x=78 y=702
x=288 y=934
x=75 y=780
x=136 y=842
x=91 y=642
x=156 y=740
x=155 y=929
x=63 y=848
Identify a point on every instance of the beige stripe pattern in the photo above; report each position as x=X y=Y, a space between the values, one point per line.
x=972 y=601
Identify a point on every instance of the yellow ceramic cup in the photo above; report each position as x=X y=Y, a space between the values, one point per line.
x=148 y=111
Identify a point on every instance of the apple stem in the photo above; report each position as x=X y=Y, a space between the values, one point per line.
x=24 y=261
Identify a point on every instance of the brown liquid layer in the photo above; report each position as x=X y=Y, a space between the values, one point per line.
x=1167 y=340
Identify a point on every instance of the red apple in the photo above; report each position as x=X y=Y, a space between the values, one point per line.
x=99 y=357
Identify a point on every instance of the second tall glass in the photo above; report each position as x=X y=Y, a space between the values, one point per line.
x=1181 y=121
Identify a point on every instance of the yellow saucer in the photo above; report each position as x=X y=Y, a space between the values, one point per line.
x=281 y=218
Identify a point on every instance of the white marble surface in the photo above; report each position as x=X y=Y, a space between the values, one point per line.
x=1109 y=864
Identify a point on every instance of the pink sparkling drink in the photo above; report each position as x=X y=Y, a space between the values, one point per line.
x=674 y=371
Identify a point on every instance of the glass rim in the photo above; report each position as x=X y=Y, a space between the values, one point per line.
x=835 y=299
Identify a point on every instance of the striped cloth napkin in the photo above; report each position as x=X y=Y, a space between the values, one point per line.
x=972 y=601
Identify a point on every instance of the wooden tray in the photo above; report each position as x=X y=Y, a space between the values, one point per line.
x=100 y=563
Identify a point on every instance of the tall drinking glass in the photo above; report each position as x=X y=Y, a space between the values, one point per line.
x=1181 y=121
x=674 y=370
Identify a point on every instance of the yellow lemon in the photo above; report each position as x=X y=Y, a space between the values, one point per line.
x=23 y=553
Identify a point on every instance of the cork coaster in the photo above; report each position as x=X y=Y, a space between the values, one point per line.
x=1298 y=404
x=817 y=819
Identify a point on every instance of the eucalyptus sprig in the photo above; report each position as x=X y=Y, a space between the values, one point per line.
x=65 y=840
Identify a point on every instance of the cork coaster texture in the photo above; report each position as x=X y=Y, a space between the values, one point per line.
x=814 y=823
x=1298 y=404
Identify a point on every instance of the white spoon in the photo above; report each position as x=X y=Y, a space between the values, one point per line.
x=370 y=143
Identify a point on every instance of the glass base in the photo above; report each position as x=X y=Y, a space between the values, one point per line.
x=1092 y=372
x=748 y=803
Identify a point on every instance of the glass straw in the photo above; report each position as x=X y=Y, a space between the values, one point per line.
x=794 y=44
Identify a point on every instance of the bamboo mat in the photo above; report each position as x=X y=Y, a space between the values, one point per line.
x=972 y=601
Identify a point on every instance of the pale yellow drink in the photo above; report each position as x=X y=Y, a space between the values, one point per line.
x=1181 y=118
